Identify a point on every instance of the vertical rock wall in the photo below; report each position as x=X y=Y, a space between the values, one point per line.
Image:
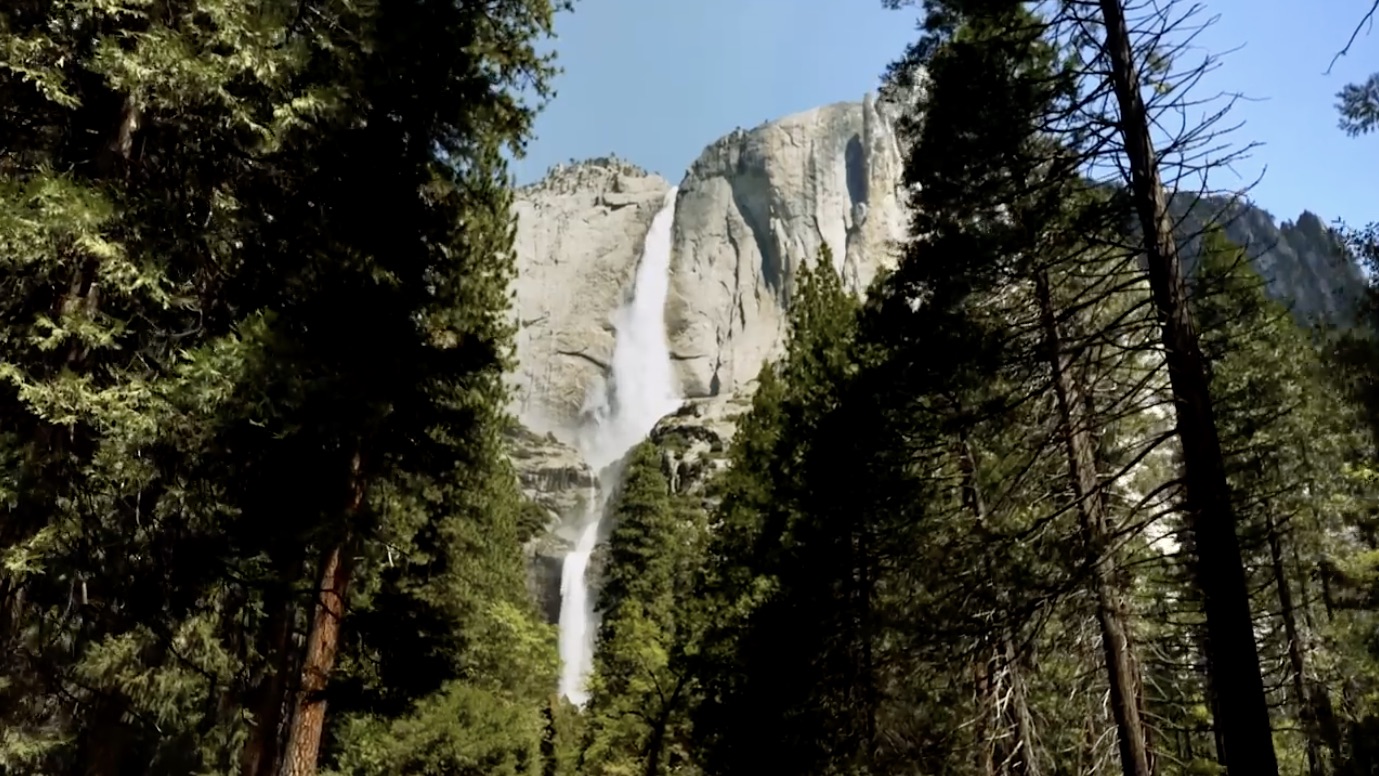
x=754 y=207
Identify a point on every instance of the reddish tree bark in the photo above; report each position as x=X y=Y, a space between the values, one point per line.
x=260 y=753
x=303 y=740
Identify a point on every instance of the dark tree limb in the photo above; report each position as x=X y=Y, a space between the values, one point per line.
x=1367 y=19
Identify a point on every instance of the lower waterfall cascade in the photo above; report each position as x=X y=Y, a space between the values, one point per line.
x=639 y=391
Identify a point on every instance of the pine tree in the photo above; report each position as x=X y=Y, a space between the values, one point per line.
x=232 y=374
x=1332 y=529
x=766 y=560
x=1233 y=657
x=642 y=688
x=1029 y=271
x=1359 y=102
x=121 y=207
x=1295 y=442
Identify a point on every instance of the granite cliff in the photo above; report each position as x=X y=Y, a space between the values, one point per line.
x=1303 y=262
x=753 y=208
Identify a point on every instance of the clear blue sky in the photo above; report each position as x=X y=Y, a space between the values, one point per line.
x=654 y=81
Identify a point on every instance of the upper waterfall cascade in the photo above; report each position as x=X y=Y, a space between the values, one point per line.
x=639 y=390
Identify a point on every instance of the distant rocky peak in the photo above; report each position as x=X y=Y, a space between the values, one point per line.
x=1310 y=223
x=595 y=174
x=1304 y=263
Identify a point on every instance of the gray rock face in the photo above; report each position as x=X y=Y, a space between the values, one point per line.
x=557 y=481
x=756 y=206
x=1304 y=264
x=579 y=236
x=694 y=442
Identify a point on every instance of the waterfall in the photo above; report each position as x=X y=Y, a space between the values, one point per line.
x=576 y=610
x=640 y=389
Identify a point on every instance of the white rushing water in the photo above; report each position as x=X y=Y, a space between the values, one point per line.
x=639 y=391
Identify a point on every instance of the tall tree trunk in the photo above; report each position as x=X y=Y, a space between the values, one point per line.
x=1296 y=659
x=1022 y=761
x=1003 y=661
x=986 y=703
x=105 y=754
x=863 y=624
x=113 y=158
x=1233 y=656
x=654 y=746
x=303 y=741
x=107 y=738
x=1323 y=709
x=1121 y=671
x=550 y=738
x=307 y=724
x=268 y=697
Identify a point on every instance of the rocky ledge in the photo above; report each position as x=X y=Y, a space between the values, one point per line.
x=556 y=481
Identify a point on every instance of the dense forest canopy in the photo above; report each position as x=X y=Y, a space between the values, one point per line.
x=1065 y=491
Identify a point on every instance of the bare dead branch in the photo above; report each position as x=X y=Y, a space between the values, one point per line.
x=1366 y=20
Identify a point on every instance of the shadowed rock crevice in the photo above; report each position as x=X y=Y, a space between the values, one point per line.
x=856 y=160
x=751 y=190
x=582 y=354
